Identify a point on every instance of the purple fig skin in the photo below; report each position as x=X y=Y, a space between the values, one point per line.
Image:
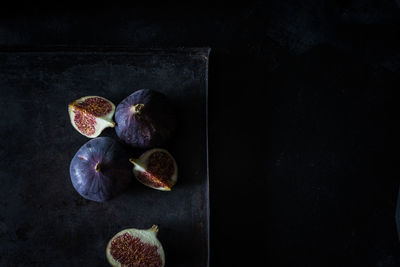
x=100 y=169
x=145 y=119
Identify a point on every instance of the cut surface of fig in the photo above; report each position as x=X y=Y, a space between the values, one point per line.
x=90 y=115
x=136 y=247
x=156 y=168
x=145 y=119
x=99 y=170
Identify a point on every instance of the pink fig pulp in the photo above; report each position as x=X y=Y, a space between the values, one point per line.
x=90 y=115
x=135 y=247
x=156 y=168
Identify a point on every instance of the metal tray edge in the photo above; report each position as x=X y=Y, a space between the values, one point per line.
x=201 y=51
x=207 y=168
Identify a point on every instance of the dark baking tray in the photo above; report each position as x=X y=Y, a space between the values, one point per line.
x=43 y=221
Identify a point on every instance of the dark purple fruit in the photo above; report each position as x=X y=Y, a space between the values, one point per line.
x=100 y=169
x=156 y=168
x=144 y=119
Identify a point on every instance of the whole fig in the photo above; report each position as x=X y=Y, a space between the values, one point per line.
x=145 y=119
x=100 y=169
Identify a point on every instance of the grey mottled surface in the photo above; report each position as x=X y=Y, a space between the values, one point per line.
x=43 y=221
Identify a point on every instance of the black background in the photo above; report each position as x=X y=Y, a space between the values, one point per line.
x=301 y=117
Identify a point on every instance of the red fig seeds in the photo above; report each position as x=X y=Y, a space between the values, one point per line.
x=96 y=106
x=90 y=115
x=85 y=123
x=156 y=168
x=130 y=251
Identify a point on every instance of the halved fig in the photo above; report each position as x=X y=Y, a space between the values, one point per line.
x=135 y=247
x=90 y=115
x=156 y=168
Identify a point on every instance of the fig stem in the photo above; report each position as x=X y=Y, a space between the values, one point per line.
x=132 y=160
x=154 y=229
x=167 y=188
x=136 y=109
x=97 y=167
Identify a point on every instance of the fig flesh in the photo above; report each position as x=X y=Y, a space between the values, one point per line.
x=135 y=247
x=156 y=168
x=145 y=119
x=90 y=115
x=100 y=169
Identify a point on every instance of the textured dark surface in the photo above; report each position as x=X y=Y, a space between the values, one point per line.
x=44 y=221
x=302 y=117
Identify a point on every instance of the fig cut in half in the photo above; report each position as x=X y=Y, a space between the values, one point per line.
x=135 y=247
x=156 y=168
x=90 y=115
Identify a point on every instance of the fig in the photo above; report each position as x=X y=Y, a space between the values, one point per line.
x=156 y=168
x=136 y=248
x=100 y=169
x=90 y=115
x=145 y=119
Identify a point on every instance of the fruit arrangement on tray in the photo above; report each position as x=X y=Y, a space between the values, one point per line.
x=102 y=169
